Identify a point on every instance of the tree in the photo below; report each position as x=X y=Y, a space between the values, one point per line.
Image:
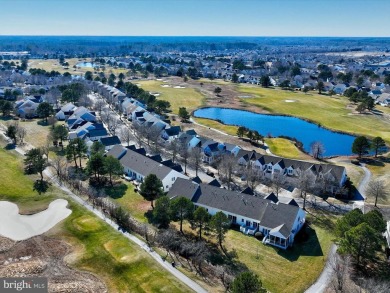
x=44 y=110
x=151 y=188
x=95 y=165
x=256 y=136
x=285 y=84
x=112 y=167
x=226 y=168
x=247 y=282
x=241 y=131
x=11 y=132
x=305 y=181
x=317 y=149
x=376 y=188
x=97 y=147
x=360 y=146
x=377 y=144
x=305 y=89
x=161 y=212
x=277 y=183
x=220 y=224
x=374 y=219
x=88 y=75
x=196 y=159
x=59 y=132
x=183 y=114
x=387 y=79
x=320 y=87
x=182 y=209
x=350 y=220
x=265 y=81
x=161 y=106
x=361 y=242
x=234 y=78
x=201 y=219
x=217 y=90
x=6 y=107
x=35 y=162
x=21 y=133
x=361 y=107
x=249 y=135
x=76 y=149
x=125 y=135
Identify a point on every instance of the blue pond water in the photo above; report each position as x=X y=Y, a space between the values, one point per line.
x=306 y=132
x=86 y=64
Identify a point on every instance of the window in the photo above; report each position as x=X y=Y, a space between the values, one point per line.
x=173 y=178
x=242 y=220
x=248 y=223
x=254 y=225
x=166 y=187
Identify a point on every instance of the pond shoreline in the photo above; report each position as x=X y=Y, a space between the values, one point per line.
x=276 y=114
x=294 y=137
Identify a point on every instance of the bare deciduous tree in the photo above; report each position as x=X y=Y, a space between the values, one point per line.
x=226 y=166
x=174 y=148
x=185 y=155
x=196 y=159
x=60 y=165
x=317 y=149
x=99 y=106
x=376 y=188
x=277 y=182
x=306 y=180
x=21 y=134
x=125 y=135
x=253 y=176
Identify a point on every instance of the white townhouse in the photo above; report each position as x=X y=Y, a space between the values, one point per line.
x=278 y=222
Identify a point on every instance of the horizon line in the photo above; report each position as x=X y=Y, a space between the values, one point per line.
x=191 y=36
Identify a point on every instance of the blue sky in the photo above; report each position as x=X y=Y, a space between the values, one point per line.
x=196 y=17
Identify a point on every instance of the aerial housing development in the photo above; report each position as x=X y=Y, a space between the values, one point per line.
x=162 y=148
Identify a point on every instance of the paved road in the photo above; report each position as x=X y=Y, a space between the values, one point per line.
x=364 y=182
x=322 y=282
x=190 y=283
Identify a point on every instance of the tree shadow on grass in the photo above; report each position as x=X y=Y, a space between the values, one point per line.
x=10 y=146
x=306 y=244
x=41 y=186
x=116 y=191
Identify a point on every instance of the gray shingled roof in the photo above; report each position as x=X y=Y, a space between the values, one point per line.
x=269 y=214
x=144 y=165
x=117 y=151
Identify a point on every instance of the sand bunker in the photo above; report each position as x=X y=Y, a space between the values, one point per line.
x=159 y=79
x=290 y=101
x=20 y=227
x=179 y=87
x=166 y=85
x=245 y=97
x=154 y=94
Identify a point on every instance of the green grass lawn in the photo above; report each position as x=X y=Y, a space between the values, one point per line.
x=133 y=202
x=295 y=269
x=229 y=129
x=186 y=97
x=99 y=249
x=331 y=112
x=285 y=148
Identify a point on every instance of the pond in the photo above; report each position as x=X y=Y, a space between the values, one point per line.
x=306 y=132
x=86 y=64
